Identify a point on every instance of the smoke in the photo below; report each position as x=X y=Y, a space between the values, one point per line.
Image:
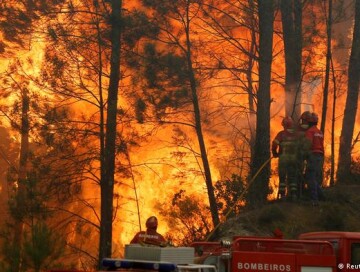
x=310 y=90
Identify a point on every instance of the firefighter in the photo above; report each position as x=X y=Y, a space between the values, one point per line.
x=315 y=159
x=150 y=236
x=278 y=234
x=285 y=147
x=304 y=147
x=304 y=121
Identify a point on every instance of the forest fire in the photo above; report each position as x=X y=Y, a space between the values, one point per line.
x=185 y=115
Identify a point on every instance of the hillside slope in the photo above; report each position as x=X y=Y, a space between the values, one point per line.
x=339 y=211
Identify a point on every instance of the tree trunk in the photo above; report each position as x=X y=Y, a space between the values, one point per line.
x=21 y=189
x=333 y=118
x=344 y=163
x=327 y=69
x=108 y=169
x=199 y=133
x=291 y=17
x=249 y=79
x=259 y=189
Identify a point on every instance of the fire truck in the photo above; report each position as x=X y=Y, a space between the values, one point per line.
x=311 y=252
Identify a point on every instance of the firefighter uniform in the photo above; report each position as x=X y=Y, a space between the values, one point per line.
x=315 y=159
x=150 y=236
x=304 y=149
x=285 y=146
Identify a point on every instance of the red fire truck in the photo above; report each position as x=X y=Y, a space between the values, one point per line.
x=312 y=252
x=346 y=246
x=263 y=254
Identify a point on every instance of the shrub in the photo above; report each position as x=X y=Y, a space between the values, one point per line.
x=270 y=214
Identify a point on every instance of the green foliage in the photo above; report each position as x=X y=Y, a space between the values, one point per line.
x=163 y=81
x=140 y=108
x=270 y=214
x=9 y=251
x=354 y=175
x=227 y=193
x=162 y=7
x=57 y=65
x=333 y=218
x=14 y=21
x=151 y=69
x=29 y=202
x=137 y=26
x=42 y=247
x=17 y=18
x=161 y=69
x=187 y=217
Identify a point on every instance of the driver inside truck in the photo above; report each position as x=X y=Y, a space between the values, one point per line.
x=150 y=236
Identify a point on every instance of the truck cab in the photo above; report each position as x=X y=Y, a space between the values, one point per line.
x=346 y=246
x=254 y=254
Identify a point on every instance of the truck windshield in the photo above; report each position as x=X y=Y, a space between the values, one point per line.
x=335 y=244
x=355 y=253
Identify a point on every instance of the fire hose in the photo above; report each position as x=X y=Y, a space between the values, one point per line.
x=240 y=196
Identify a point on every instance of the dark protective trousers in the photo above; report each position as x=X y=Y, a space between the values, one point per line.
x=314 y=174
x=288 y=177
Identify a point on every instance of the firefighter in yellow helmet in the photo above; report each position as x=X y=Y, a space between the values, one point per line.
x=285 y=147
x=150 y=236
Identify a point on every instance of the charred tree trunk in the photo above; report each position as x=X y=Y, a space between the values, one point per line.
x=347 y=131
x=291 y=17
x=259 y=189
x=198 y=128
x=249 y=78
x=108 y=166
x=21 y=186
x=327 y=69
x=333 y=114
